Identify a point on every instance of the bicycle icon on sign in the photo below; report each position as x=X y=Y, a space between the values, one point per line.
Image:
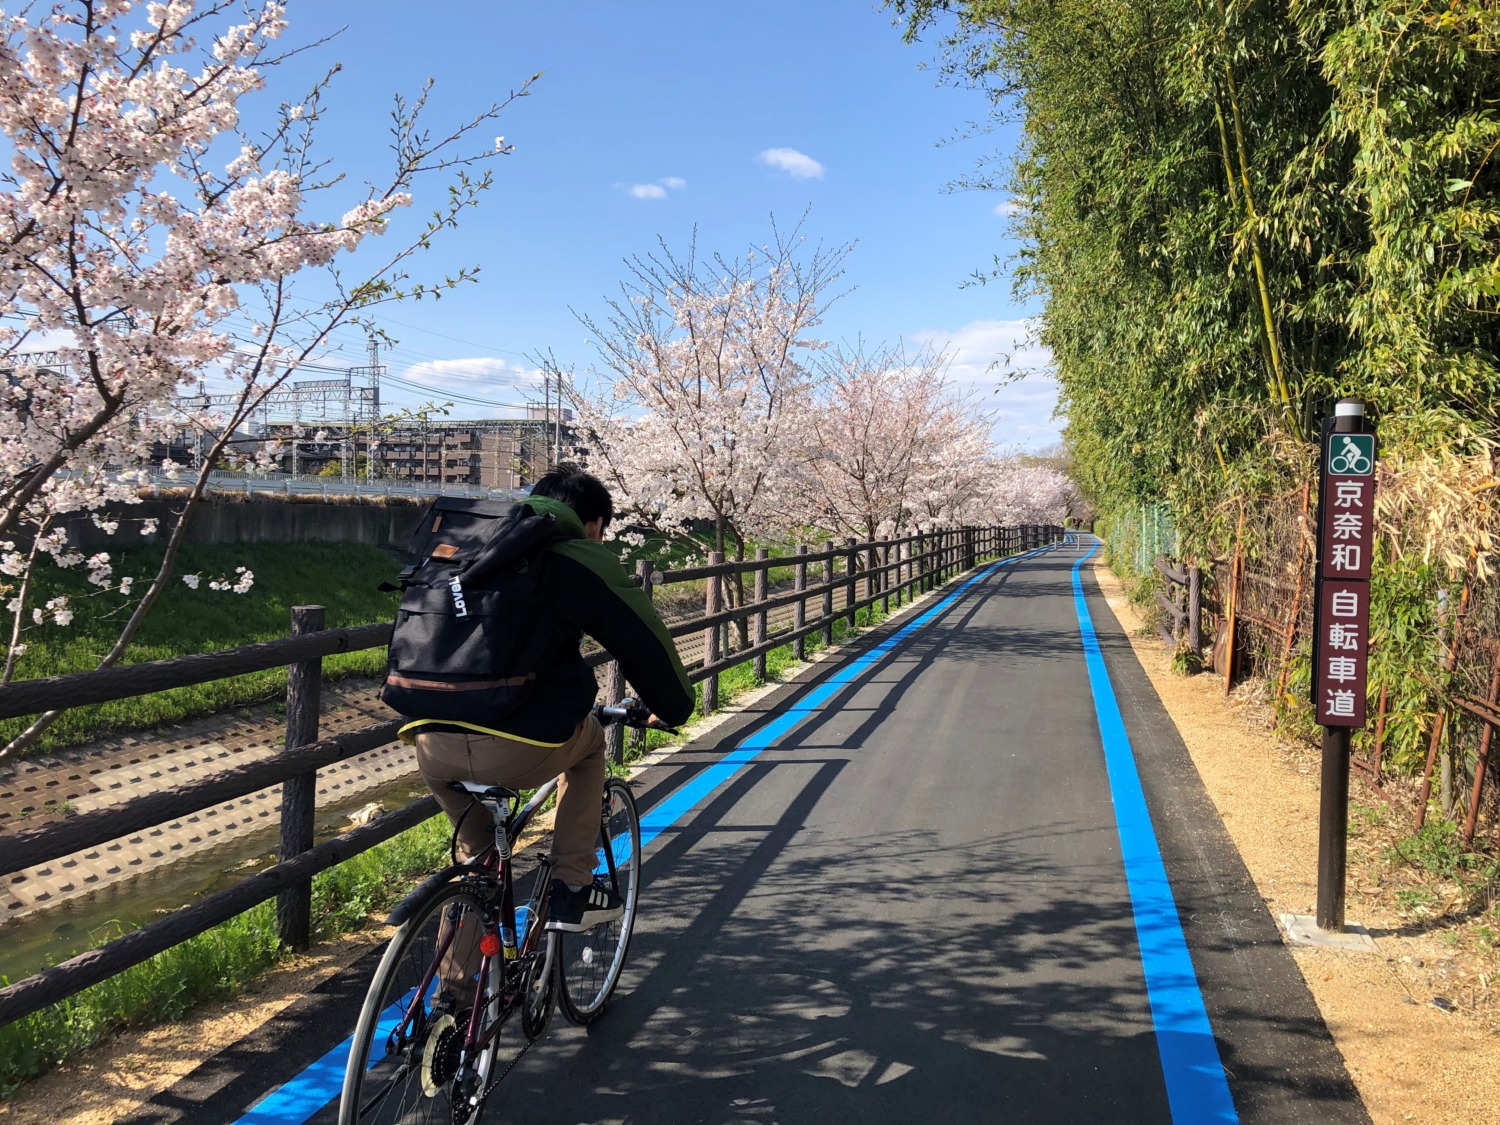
x=1352 y=457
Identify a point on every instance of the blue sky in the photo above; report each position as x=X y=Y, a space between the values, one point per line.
x=651 y=119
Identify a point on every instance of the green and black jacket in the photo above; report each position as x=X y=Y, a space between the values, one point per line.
x=586 y=590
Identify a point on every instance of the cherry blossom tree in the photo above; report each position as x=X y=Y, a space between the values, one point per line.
x=140 y=219
x=709 y=399
x=891 y=431
x=1019 y=493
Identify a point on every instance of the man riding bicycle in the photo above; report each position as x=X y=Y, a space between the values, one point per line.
x=584 y=589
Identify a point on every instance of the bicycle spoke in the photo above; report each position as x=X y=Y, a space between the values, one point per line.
x=591 y=962
x=404 y=1045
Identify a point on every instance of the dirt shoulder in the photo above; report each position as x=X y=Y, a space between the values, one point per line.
x=1415 y=1023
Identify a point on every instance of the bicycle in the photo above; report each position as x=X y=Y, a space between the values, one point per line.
x=414 y=1058
x=1351 y=459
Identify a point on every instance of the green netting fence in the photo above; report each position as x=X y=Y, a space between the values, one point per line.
x=1136 y=536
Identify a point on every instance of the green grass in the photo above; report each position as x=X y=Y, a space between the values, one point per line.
x=1436 y=849
x=341 y=577
x=217 y=963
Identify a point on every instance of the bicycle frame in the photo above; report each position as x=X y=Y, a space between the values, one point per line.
x=494 y=865
x=506 y=952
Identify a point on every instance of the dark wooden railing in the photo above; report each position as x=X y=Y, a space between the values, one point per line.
x=889 y=571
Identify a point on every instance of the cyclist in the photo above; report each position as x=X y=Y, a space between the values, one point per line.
x=555 y=734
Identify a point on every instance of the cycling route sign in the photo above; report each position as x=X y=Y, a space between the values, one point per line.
x=1346 y=540
x=1351 y=455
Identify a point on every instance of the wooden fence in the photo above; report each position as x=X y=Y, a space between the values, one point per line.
x=1256 y=606
x=892 y=572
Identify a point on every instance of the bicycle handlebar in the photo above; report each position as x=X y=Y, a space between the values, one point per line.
x=631 y=713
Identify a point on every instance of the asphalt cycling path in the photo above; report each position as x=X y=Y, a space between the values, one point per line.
x=966 y=873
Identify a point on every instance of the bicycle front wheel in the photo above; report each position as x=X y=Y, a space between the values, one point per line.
x=406 y=1062
x=589 y=964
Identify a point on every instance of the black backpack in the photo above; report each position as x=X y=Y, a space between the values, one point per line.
x=469 y=635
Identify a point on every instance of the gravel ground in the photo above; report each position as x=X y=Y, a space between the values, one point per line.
x=1416 y=1022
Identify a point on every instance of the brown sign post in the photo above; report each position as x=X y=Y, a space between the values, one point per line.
x=1341 y=632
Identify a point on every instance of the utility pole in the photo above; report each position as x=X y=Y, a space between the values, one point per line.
x=557 y=426
x=373 y=420
x=546 y=410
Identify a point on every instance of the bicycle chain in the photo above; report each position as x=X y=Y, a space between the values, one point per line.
x=490 y=1089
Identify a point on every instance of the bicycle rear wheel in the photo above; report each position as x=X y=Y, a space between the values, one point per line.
x=589 y=964
x=405 y=1055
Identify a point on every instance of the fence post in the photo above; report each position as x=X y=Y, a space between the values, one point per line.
x=299 y=794
x=1195 y=609
x=614 y=691
x=761 y=555
x=711 y=605
x=645 y=569
x=885 y=580
x=900 y=573
x=828 y=596
x=799 y=612
x=1233 y=606
x=851 y=571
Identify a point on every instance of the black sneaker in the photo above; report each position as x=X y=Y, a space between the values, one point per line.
x=583 y=909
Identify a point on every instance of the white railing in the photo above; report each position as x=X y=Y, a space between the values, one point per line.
x=227 y=483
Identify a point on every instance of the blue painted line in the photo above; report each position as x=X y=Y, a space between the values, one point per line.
x=1197 y=1090
x=299 y=1099
x=302 y=1097
x=684 y=799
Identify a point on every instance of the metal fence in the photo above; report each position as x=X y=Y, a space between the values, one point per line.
x=1139 y=536
x=230 y=484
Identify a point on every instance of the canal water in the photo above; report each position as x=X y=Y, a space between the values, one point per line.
x=30 y=944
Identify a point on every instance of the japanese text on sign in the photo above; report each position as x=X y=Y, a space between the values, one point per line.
x=1349 y=522
x=1340 y=652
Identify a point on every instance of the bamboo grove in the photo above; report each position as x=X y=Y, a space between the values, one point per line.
x=1236 y=213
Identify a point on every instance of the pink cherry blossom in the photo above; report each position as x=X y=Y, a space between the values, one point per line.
x=140 y=219
x=707 y=400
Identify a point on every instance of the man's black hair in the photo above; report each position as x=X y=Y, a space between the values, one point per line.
x=579 y=490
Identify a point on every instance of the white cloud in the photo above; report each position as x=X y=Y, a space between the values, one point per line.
x=796 y=164
x=655 y=190
x=1009 y=207
x=1011 y=373
x=501 y=388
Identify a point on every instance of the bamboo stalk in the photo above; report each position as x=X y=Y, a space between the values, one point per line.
x=1438 y=723
x=1291 y=628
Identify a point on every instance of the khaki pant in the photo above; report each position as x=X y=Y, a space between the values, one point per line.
x=492 y=760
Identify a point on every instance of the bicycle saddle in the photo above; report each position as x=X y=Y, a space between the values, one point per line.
x=485 y=792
